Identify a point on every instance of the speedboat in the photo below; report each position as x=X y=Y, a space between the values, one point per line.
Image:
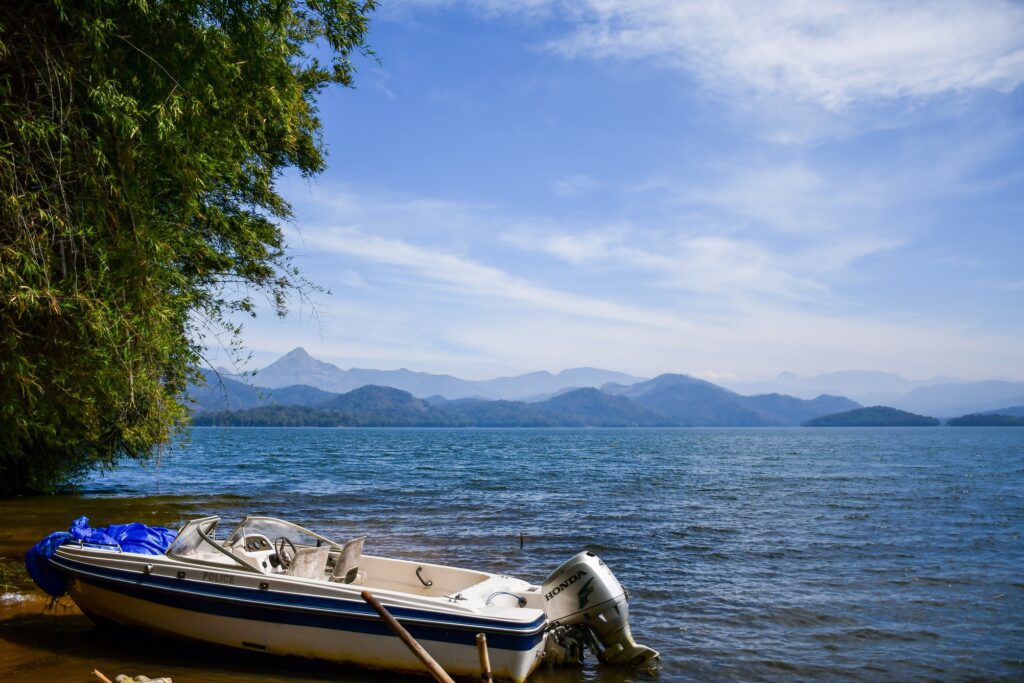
x=273 y=586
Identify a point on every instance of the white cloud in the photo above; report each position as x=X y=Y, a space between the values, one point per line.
x=719 y=265
x=642 y=298
x=754 y=344
x=576 y=248
x=380 y=211
x=748 y=233
x=732 y=270
x=465 y=277
x=836 y=256
x=832 y=52
x=787 y=197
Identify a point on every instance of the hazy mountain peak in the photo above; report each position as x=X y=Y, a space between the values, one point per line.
x=299 y=367
x=577 y=371
x=668 y=378
x=593 y=377
x=536 y=374
x=297 y=357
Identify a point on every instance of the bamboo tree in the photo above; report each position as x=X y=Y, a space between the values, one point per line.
x=140 y=145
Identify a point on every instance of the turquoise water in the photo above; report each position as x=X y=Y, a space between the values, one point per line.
x=774 y=554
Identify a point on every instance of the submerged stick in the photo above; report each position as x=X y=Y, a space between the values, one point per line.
x=435 y=669
x=485 y=658
x=99 y=674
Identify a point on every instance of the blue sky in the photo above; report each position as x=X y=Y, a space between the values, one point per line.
x=726 y=189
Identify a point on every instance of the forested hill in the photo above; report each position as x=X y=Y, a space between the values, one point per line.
x=374 y=406
x=875 y=416
x=675 y=401
x=987 y=420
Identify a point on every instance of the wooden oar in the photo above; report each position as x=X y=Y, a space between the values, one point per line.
x=435 y=669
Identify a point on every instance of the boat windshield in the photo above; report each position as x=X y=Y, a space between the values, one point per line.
x=189 y=542
x=197 y=541
x=273 y=529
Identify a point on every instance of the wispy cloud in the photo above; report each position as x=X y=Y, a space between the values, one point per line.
x=594 y=246
x=378 y=209
x=745 y=234
x=677 y=227
x=788 y=197
x=832 y=53
x=479 y=294
x=727 y=268
x=465 y=277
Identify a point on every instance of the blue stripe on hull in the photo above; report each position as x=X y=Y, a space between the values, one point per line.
x=298 y=610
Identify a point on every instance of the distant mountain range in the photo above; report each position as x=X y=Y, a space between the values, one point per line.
x=946 y=400
x=941 y=396
x=692 y=402
x=667 y=400
x=575 y=397
x=298 y=367
x=373 y=406
x=865 y=386
x=1016 y=411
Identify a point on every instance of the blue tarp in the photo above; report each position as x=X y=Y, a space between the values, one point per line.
x=131 y=538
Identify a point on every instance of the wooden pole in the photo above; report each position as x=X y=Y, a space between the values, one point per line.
x=485 y=658
x=435 y=669
x=99 y=674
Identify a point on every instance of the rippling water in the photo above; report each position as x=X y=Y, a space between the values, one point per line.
x=775 y=554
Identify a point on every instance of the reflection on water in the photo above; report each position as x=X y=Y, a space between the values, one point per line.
x=750 y=554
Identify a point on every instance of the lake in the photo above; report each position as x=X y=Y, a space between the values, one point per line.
x=750 y=554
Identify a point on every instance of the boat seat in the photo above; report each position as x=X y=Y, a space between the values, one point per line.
x=309 y=563
x=346 y=569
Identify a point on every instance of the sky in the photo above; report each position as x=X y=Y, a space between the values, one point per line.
x=724 y=189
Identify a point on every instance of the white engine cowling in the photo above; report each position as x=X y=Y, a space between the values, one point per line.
x=584 y=592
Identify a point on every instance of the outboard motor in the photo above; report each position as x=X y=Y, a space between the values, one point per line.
x=586 y=604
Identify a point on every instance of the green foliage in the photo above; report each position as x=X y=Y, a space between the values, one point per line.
x=140 y=143
x=274 y=416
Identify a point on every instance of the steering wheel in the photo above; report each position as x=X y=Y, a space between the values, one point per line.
x=279 y=546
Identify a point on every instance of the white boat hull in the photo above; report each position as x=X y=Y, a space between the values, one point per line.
x=307 y=626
